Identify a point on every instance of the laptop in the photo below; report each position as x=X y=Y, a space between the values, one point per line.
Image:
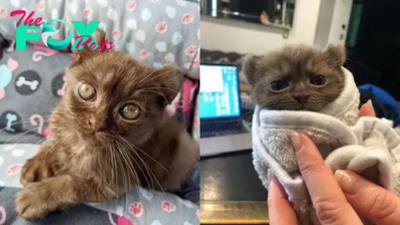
x=221 y=127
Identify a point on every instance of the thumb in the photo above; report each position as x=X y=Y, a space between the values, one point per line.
x=370 y=200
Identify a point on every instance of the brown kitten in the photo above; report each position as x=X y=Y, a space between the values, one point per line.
x=109 y=132
x=296 y=77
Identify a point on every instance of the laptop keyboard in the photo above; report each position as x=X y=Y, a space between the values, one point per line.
x=220 y=129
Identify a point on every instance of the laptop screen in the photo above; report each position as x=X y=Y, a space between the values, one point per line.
x=219 y=92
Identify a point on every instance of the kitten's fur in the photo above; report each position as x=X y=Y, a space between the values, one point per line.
x=76 y=164
x=295 y=64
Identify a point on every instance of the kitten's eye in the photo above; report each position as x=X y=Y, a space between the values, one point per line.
x=86 y=91
x=130 y=111
x=279 y=85
x=318 y=80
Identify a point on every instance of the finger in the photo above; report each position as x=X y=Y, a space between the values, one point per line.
x=328 y=199
x=280 y=210
x=370 y=200
x=367 y=109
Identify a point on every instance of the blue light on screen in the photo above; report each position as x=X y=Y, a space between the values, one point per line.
x=219 y=92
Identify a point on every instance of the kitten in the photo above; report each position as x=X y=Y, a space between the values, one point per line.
x=109 y=133
x=296 y=77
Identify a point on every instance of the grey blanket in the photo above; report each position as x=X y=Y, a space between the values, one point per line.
x=139 y=206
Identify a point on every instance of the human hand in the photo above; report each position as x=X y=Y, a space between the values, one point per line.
x=367 y=109
x=334 y=203
x=326 y=195
x=369 y=199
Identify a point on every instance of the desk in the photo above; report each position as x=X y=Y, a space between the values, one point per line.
x=231 y=192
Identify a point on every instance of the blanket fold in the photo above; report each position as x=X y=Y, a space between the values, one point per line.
x=366 y=145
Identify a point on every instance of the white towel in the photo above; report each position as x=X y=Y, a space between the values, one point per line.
x=365 y=145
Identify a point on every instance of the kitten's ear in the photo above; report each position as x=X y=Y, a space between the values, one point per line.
x=85 y=52
x=249 y=67
x=337 y=53
x=170 y=79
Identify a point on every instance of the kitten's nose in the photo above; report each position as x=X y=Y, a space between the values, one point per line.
x=301 y=98
x=99 y=127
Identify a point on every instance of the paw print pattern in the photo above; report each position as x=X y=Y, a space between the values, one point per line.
x=13 y=169
x=161 y=27
x=187 y=18
x=87 y=13
x=41 y=5
x=3 y=12
x=191 y=50
x=168 y=206
x=136 y=209
x=131 y=5
x=144 y=54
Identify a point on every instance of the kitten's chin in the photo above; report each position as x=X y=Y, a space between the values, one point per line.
x=94 y=137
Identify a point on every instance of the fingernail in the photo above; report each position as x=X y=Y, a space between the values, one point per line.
x=296 y=142
x=269 y=177
x=369 y=102
x=346 y=181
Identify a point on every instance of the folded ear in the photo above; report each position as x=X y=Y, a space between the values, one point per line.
x=99 y=37
x=337 y=54
x=170 y=79
x=249 y=67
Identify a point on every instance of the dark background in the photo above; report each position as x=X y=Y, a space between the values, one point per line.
x=374 y=53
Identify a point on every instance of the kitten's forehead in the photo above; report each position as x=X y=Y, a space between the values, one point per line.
x=112 y=70
x=292 y=60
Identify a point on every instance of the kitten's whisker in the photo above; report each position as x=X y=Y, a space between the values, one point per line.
x=37 y=143
x=47 y=152
x=360 y=64
x=150 y=157
x=147 y=181
x=126 y=143
x=19 y=135
x=22 y=121
x=136 y=148
x=128 y=163
x=170 y=89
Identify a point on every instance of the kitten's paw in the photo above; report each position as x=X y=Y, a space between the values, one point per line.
x=30 y=205
x=35 y=170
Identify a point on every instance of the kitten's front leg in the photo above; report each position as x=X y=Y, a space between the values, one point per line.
x=38 y=199
x=38 y=167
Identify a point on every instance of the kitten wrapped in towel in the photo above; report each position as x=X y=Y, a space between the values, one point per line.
x=108 y=134
x=301 y=88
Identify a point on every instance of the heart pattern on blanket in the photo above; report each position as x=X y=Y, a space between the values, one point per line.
x=5 y=76
x=73 y=8
x=18 y=152
x=103 y=26
x=176 y=38
x=171 y=12
x=161 y=46
x=156 y=222
x=157 y=65
x=130 y=47
x=146 y=14
x=140 y=36
x=131 y=24
x=169 y=57
x=54 y=14
x=102 y=3
x=16 y=3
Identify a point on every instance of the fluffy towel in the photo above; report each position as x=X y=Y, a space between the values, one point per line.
x=365 y=145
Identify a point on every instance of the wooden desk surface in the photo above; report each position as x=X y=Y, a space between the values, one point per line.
x=234 y=212
x=231 y=192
